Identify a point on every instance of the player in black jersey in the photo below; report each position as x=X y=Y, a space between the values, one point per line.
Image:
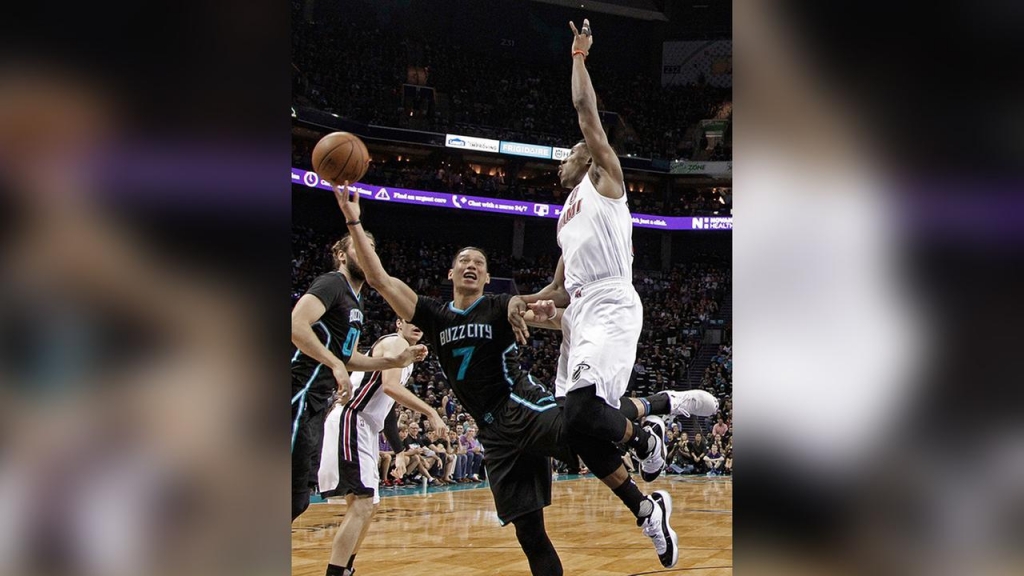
x=521 y=425
x=326 y=323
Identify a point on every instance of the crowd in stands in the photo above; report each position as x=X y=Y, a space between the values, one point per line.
x=676 y=307
x=710 y=452
x=475 y=95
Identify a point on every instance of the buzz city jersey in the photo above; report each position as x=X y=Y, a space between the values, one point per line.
x=476 y=347
x=596 y=237
x=338 y=330
x=368 y=397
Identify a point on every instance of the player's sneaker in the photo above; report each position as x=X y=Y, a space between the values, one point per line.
x=656 y=527
x=691 y=403
x=652 y=465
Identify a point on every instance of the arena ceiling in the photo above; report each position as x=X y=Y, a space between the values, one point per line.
x=641 y=9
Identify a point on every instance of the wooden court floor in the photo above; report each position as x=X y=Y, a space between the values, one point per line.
x=455 y=532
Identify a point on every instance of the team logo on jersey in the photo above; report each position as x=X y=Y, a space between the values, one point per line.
x=356 y=315
x=579 y=370
x=572 y=208
x=466 y=331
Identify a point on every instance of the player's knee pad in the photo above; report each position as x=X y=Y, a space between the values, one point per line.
x=586 y=413
x=602 y=458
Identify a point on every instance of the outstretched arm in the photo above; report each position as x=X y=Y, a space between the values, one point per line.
x=519 y=306
x=544 y=314
x=398 y=295
x=392 y=383
x=584 y=99
x=399 y=360
x=554 y=291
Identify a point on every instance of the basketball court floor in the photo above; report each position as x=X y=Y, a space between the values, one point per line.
x=453 y=531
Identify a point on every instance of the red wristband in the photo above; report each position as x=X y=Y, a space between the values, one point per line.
x=575 y=52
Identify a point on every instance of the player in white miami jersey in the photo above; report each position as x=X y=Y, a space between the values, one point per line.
x=348 y=462
x=603 y=316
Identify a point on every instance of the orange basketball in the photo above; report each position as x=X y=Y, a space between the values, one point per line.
x=340 y=156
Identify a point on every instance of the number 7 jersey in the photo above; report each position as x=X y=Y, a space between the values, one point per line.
x=476 y=347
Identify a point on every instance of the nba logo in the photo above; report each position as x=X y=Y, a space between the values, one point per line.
x=540 y=209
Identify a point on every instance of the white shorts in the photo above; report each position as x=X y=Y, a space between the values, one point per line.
x=600 y=332
x=349 y=457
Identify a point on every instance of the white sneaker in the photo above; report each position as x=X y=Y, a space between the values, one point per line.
x=654 y=463
x=656 y=527
x=691 y=403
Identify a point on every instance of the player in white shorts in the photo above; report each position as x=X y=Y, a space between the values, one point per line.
x=602 y=318
x=349 y=459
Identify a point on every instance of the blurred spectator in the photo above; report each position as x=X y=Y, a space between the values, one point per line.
x=714 y=460
x=720 y=428
x=698 y=450
x=386 y=456
x=474 y=454
x=680 y=461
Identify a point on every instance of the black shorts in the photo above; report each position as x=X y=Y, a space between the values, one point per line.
x=518 y=447
x=307 y=438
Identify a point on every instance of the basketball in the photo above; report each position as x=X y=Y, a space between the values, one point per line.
x=340 y=156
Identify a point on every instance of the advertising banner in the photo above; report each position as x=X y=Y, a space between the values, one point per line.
x=503 y=206
x=530 y=150
x=471 y=143
x=560 y=153
x=702 y=168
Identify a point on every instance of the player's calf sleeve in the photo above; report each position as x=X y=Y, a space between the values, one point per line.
x=533 y=539
x=633 y=498
x=587 y=414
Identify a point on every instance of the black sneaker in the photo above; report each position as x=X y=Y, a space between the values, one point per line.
x=656 y=527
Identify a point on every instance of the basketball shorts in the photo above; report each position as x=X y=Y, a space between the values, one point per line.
x=307 y=434
x=349 y=458
x=600 y=332
x=518 y=446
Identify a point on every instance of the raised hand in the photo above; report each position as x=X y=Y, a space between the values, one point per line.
x=350 y=208
x=582 y=40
